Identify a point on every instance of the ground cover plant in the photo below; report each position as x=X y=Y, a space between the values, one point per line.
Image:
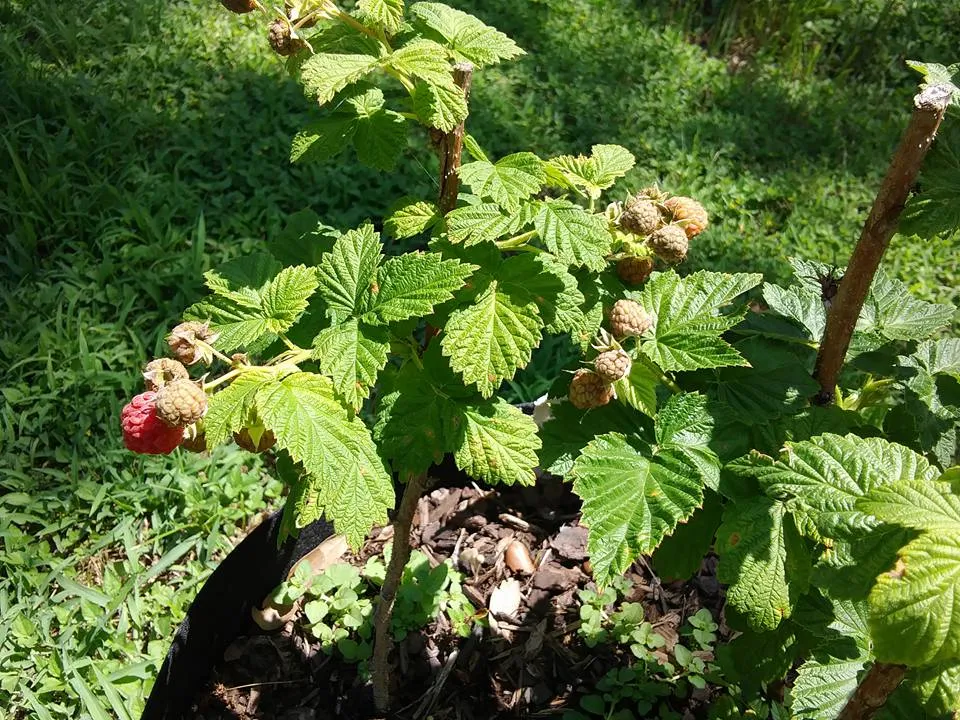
x=680 y=400
x=113 y=157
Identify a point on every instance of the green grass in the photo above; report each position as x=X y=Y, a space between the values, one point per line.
x=144 y=142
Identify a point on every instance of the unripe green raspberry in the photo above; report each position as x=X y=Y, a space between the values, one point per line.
x=689 y=213
x=670 y=243
x=588 y=390
x=629 y=319
x=640 y=216
x=612 y=365
x=181 y=403
x=634 y=270
x=162 y=371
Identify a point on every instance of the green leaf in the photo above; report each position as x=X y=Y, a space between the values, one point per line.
x=474 y=224
x=387 y=14
x=915 y=608
x=936 y=74
x=464 y=34
x=489 y=339
x=830 y=473
x=508 y=181
x=935 y=210
x=498 y=443
x=639 y=388
x=323 y=139
x=380 y=139
x=801 y=304
x=687 y=321
x=777 y=383
x=253 y=302
x=680 y=555
x=285 y=298
x=553 y=289
x=764 y=560
x=440 y=105
x=346 y=480
x=826 y=681
x=410 y=217
x=916 y=502
x=323 y=75
x=575 y=236
x=754 y=659
x=939 y=688
x=849 y=569
x=685 y=422
x=243 y=278
x=939 y=356
x=229 y=409
x=633 y=495
x=594 y=174
x=416 y=425
x=423 y=59
x=569 y=430
x=348 y=271
x=352 y=355
x=236 y=325
x=303 y=239
x=892 y=311
x=412 y=284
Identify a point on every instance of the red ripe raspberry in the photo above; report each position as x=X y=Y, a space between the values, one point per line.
x=143 y=431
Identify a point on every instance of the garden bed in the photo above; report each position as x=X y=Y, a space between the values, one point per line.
x=535 y=662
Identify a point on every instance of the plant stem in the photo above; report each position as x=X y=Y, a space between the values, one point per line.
x=388 y=592
x=451 y=146
x=227 y=377
x=929 y=108
x=873 y=691
x=451 y=149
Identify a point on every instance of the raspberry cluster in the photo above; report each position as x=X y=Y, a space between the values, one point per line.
x=653 y=224
x=591 y=388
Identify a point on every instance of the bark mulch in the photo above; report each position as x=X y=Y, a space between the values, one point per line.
x=533 y=664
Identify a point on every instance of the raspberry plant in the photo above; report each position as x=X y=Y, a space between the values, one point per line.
x=687 y=424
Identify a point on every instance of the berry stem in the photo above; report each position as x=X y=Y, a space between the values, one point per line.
x=214 y=351
x=227 y=377
x=929 y=107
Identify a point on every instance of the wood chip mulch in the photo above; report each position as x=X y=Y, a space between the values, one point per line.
x=533 y=664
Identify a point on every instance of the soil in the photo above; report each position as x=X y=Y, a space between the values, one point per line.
x=532 y=664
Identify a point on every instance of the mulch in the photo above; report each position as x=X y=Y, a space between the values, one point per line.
x=532 y=664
